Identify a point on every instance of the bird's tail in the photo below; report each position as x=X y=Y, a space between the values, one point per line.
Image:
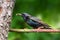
x=47 y=27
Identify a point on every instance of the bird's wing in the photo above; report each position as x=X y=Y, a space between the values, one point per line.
x=41 y=22
x=37 y=20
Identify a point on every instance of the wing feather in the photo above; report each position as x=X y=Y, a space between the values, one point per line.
x=40 y=21
x=37 y=20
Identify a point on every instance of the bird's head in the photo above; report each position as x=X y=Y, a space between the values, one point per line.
x=24 y=15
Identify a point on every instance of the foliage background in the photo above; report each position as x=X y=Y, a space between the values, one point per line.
x=46 y=10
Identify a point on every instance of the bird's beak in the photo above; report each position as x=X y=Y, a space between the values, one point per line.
x=18 y=14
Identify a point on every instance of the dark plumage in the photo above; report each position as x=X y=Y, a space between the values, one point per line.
x=34 y=22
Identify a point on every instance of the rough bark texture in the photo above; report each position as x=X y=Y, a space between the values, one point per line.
x=6 y=7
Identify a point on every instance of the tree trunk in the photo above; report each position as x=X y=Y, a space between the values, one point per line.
x=6 y=7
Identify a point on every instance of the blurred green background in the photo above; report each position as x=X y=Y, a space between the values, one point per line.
x=46 y=10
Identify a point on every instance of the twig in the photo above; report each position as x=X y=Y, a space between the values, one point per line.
x=34 y=30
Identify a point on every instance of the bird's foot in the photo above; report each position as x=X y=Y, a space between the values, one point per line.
x=39 y=28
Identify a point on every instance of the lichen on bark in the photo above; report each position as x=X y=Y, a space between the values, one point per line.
x=6 y=7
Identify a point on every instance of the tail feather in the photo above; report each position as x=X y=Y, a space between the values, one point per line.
x=47 y=27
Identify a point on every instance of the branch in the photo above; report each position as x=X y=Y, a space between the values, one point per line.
x=34 y=30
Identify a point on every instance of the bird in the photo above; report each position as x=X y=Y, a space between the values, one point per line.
x=33 y=21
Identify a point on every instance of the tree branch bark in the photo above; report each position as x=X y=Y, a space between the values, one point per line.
x=34 y=30
x=6 y=7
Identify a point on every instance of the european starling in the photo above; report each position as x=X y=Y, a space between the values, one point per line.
x=34 y=21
